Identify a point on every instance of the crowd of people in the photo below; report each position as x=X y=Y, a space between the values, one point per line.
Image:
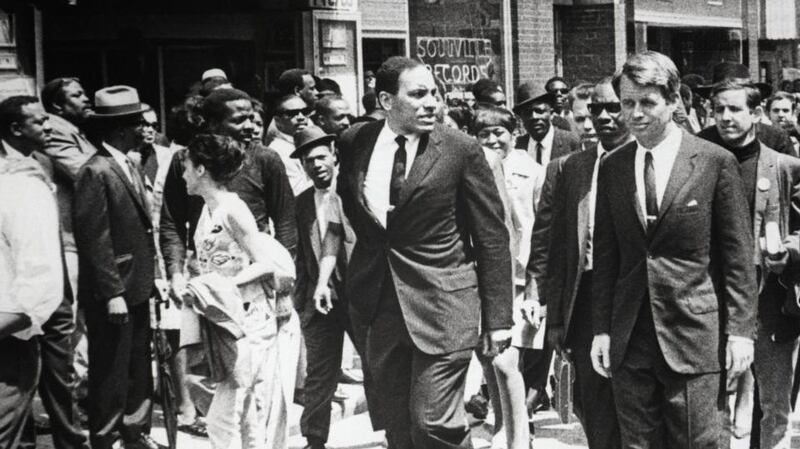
x=643 y=229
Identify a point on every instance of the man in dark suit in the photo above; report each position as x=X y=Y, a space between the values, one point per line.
x=431 y=267
x=114 y=234
x=322 y=232
x=772 y=188
x=570 y=266
x=544 y=142
x=672 y=299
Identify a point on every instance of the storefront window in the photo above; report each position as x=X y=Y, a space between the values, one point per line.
x=461 y=41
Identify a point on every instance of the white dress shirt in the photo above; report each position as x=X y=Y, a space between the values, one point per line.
x=664 y=155
x=592 y=205
x=283 y=144
x=379 y=171
x=547 y=146
x=121 y=159
x=31 y=276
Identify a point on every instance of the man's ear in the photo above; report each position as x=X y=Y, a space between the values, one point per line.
x=16 y=129
x=385 y=99
x=758 y=112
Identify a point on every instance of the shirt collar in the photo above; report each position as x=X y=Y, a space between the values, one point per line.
x=118 y=156
x=547 y=141
x=13 y=152
x=600 y=150
x=670 y=143
x=387 y=136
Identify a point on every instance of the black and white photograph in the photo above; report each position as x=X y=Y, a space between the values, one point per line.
x=399 y=224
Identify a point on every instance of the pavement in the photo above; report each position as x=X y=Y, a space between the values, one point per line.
x=351 y=429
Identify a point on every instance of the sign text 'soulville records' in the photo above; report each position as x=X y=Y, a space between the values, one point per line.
x=456 y=61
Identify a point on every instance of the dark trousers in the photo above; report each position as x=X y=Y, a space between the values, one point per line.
x=593 y=398
x=657 y=407
x=422 y=395
x=19 y=374
x=324 y=338
x=57 y=381
x=536 y=367
x=120 y=377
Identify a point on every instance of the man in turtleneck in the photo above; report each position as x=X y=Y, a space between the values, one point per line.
x=772 y=186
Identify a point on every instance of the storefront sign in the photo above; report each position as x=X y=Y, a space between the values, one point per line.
x=456 y=61
x=340 y=5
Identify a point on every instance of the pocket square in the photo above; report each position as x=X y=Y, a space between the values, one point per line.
x=691 y=203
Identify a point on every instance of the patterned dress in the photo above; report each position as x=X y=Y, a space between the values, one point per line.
x=249 y=410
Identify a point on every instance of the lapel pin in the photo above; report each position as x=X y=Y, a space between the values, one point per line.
x=763 y=184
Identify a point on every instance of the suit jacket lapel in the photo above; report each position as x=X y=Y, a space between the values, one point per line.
x=766 y=201
x=427 y=153
x=628 y=180
x=681 y=172
x=585 y=187
x=363 y=154
x=117 y=169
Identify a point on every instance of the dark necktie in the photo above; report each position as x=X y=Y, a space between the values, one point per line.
x=650 y=198
x=136 y=180
x=539 y=152
x=398 y=172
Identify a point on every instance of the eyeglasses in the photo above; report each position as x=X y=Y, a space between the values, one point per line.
x=559 y=91
x=145 y=124
x=598 y=108
x=291 y=113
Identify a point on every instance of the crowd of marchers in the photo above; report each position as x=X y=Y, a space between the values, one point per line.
x=642 y=232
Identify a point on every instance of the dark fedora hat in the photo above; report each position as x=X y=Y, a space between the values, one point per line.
x=117 y=101
x=308 y=138
x=528 y=93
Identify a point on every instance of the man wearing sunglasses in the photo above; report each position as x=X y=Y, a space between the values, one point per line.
x=291 y=116
x=559 y=89
x=570 y=260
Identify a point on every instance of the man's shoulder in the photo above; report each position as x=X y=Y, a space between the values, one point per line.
x=707 y=149
x=61 y=126
x=263 y=156
x=565 y=136
x=453 y=137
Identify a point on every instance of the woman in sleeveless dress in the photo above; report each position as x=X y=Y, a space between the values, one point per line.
x=249 y=407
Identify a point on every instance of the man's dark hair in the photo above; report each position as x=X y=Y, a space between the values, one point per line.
x=751 y=92
x=329 y=84
x=276 y=106
x=369 y=101
x=214 y=109
x=53 y=92
x=388 y=76
x=781 y=95
x=580 y=92
x=11 y=111
x=184 y=120
x=324 y=106
x=290 y=80
x=553 y=80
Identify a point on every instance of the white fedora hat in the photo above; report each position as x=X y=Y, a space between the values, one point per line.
x=117 y=101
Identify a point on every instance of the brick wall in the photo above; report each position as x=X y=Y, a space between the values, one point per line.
x=533 y=40
x=587 y=42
